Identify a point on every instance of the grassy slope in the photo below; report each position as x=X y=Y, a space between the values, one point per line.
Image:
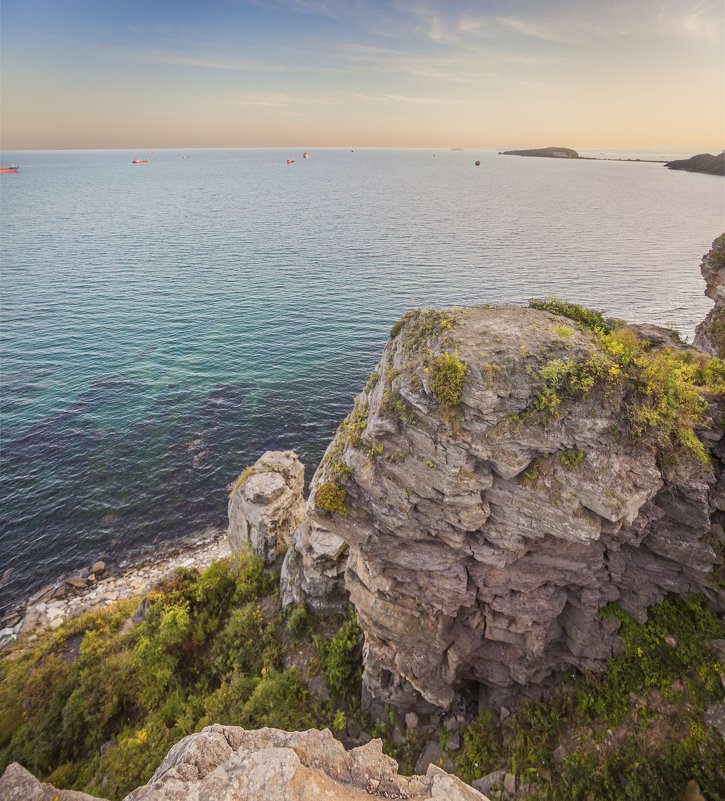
x=98 y=703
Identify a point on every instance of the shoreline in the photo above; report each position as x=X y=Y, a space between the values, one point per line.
x=43 y=611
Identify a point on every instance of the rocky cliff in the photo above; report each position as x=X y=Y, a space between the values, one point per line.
x=227 y=763
x=710 y=334
x=505 y=474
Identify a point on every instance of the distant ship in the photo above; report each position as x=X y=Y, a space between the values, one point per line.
x=305 y=155
x=10 y=168
x=140 y=161
x=151 y=152
x=290 y=161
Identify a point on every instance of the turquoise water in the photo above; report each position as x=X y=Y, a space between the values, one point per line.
x=164 y=324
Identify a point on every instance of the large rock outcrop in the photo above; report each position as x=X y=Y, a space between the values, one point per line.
x=227 y=763
x=477 y=538
x=710 y=334
x=266 y=504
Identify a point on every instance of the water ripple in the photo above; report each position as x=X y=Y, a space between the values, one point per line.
x=162 y=326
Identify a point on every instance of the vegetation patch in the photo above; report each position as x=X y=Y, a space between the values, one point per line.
x=586 y=318
x=663 y=392
x=372 y=381
x=634 y=731
x=421 y=325
x=447 y=374
x=96 y=705
x=330 y=497
x=241 y=478
x=572 y=457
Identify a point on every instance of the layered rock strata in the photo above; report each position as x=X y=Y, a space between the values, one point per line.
x=479 y=539
x=266 y=504
x=227 y=763
x=710 y=334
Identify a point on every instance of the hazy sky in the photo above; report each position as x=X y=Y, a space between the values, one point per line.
x=230 y=73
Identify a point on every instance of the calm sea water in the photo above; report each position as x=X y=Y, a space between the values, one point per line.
x=164 y=324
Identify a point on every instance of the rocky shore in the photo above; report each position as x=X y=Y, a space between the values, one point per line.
x=102 y=585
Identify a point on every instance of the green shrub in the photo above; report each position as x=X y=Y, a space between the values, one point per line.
x=593 y=320
x=298 y=623
x=341 y=669
x=572 y=457
x=447 y=374
x=330 y=497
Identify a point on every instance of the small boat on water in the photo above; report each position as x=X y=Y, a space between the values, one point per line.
x=477 y=163
x=290 y=161
x=10 y=168
x=140 y=161
x=305 y=155
x=151 y=152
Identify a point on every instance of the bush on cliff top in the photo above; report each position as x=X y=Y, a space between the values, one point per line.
x=663 y=392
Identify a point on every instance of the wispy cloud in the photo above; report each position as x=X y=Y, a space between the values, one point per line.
x=336 y=9
x=388 y=99
x=280 y=99
x=204 y=62
x=703 y=21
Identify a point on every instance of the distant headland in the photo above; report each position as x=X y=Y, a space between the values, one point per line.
x=566 y=153
x=702 y=162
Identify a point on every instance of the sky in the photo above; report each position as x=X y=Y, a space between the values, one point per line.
x=316 y=73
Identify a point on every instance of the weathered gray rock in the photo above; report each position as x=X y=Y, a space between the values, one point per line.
x=432 y=754
x=266 y=504
x=488 y=782
x=227 y=763
x=710 y=334
x=478 y=545
x=17 y=784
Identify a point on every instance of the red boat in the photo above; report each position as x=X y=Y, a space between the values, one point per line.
x=290 y=161
x=10 y=168
x=140 y=161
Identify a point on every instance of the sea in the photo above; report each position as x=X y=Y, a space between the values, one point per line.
x=164 y=324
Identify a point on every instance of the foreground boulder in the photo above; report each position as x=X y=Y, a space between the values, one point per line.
x=18 y=784
x=266 y=504
x=495 y=486
x=710 y=334
x=227 y=763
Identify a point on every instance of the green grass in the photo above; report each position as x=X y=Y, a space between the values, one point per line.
x=633 y=731
x=586 y=318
